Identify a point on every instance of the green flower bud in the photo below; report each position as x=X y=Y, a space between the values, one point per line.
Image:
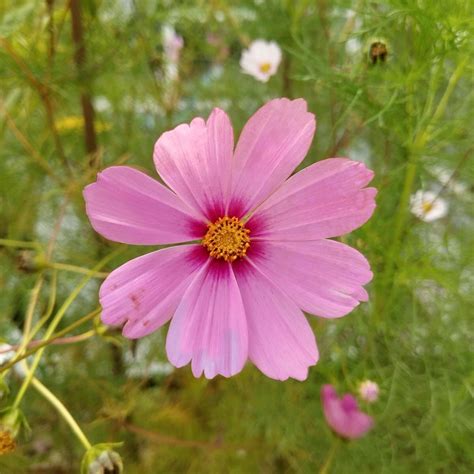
x=102 y=459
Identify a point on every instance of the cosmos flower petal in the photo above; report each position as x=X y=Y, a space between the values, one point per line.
x=324 y=200
x=126 y=205
x=263 y=256
x=281 y=342
x=361 y=294
x=146 y=291
x=273 y=142
x=343 y=415
x=209 y=327
x=323 y=277
x=195 y=162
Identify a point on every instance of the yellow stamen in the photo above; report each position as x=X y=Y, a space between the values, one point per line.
x=427 y=206
x=227 y=238
x=265 y=67
x=7 y=443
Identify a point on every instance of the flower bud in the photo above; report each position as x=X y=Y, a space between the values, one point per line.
x=369 y=391
x=101 y=459
x=11 y=420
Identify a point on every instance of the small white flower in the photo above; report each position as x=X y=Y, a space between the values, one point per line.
x=428 y=206
x=261 y=59
x=353 y=46
x=369 y=391
x=172 y=44
x=101 y=103
x=6 y=353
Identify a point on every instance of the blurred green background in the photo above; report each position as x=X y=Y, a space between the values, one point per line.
x=409 y=118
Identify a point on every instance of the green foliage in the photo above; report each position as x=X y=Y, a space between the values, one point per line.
x=405 y=117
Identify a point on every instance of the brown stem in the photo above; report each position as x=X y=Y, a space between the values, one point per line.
x=118 y=367
x=58 y=341
x=47 y=342
x=458 y=168
x=51 y=44
x=343 y=141
x=44 y=93
x=325 y=24
x=171 y=440
x=90 y=136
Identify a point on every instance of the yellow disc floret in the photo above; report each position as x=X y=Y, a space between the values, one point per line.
x=7 y=443
x=227 y=238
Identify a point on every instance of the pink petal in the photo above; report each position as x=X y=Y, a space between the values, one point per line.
x=322 y=277
x=209 y=326
x=343 y=415
x=272 y=144
x=324 y=200
x=195 y=161
x=126 y=205
x=349 y=403
x=146 y=291
x=281 y=342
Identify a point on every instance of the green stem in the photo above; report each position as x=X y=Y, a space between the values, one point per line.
x=49 y=309
x=56 y=320
x=416 y=149
x=330 y=457
x=19 y=243
x=31 y=309
x=76 y=269
x=453 y=80
x=63 y=411
x=46 y=342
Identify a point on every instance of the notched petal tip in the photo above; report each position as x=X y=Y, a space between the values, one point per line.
x=298 y=105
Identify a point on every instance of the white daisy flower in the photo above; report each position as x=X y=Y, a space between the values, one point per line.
x=428 y=206
x=261 y=59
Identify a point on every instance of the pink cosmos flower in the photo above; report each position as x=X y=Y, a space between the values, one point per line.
x=257 y=253
x=343 y=415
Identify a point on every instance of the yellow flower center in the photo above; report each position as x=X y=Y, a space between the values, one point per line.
x=227 y=238
x=427 y=206
x=265 y=67
x=7 y=443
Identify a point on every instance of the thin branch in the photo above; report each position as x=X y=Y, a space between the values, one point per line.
x=90 y=136
x=40 y=161
x=51 y=32
x=171 y=440
x=60 y=341
x=46 y=342
x=45 y=95
x=63 y=411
